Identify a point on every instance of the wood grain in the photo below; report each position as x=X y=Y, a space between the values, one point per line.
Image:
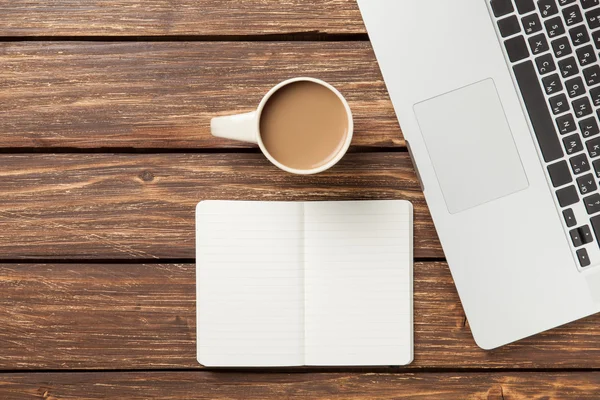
x=331 y=386
x=163 y=95
x=128 y=206
x=134 y=316
x=177 y=17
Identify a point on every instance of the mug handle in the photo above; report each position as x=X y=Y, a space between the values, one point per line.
x=241 y=127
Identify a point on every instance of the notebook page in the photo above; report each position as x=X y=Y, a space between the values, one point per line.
x=358 y=283
x=249 y=282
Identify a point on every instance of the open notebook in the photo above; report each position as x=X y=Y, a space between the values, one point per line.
x=304 y=283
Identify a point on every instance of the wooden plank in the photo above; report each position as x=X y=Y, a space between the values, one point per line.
x=326 y=386
x=182 y=17
x=163 y=95
x=128 y=206
x=133 y=316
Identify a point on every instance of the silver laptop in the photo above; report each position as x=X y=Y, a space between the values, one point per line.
x=499 y=101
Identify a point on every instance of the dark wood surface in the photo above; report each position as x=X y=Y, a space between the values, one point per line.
x=138 y=206
x=157 y=94
x=330 y=386
x=118 y=18
x=105 y=150
x=106 y=316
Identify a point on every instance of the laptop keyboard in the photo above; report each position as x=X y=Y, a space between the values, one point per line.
x=553 y=47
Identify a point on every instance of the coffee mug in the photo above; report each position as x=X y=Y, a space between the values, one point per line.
x=302 y=125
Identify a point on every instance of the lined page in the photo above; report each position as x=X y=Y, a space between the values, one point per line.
x=358 y=283
x=249 y=275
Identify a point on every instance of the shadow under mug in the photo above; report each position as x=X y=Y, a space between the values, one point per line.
x=246 y=127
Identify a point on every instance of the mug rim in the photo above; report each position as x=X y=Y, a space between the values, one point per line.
x=341 y=152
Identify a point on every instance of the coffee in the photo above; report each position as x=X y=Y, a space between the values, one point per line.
x=304 y=125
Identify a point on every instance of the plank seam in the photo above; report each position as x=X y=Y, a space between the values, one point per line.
x=309 y=370
x=150 y=150
x=134 y=261
x=68 y=261
x=279 y=37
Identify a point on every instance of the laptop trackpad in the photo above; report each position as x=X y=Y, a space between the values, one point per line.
x=471 y=146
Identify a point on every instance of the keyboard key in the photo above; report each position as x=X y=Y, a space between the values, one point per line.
x=586 y=234
x=596 y=224
x=582 y=107
x=559 y=104
x=566 y=124
x=552 y=84
x=568 y=67
x=579 y=164
x=545 y=64
x=595 y=95
x=575 y=87
x=572 y=15
x=592 y=75
x=547 y=8
x=592 y=206
x=531 y=24
x=586 y=184
x=576 y=237
x=579 y=35
x=569 y=217
x=560 y=174
x=593 y=18
x=561 y=47
x=593 y=147
x=589 y=127
x=572 y=144
x=554 y=27
x=567 y=196
x=584 y=259
x=596 y=165
x=589 y=3
x=524 y=6
x=502 y=7
x=516 y=49
x=586 y=55
x=596 y=39
x=509 y=26
x=538 y=44
x=565 y=2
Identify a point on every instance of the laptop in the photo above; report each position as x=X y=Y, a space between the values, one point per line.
x=499 y=103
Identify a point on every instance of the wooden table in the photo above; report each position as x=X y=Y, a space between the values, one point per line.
x=105 y=150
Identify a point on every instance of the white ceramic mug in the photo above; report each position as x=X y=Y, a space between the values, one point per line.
x=246 y=127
